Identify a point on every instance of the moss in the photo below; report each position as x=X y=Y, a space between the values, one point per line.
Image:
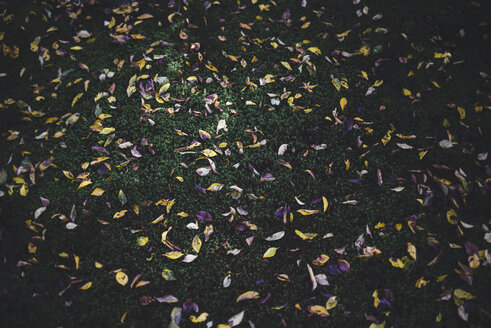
x=112 y=242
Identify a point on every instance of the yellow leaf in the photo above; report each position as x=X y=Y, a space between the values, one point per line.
x=164 y=88
x=319 y=310
x=307 y=212
x=119 y=214
x=283 y=277
x=111 y=23
x=202 y=317
x=24 y=189
x=331 y=302
x=325 y=203
x=215 y=187
x=270 y=252
x=377 y=325
x=84 y=184
x=77 y=261
x=343 y=102
x=76 y=48
x=141 y=63
x=396 y=263
x=315 y=50
x=307 y=235
x=321 y=260
x=183 y=214
x=68 y=174
x=379 y=225
x=212 y=68
x=181 y=179
x=474 y=261
x=86 y=286
x=248 y=296
x=344 y=34
x=421 y=282
x=305 y=25
x=142 y=241
x=286 y=65
x=77 y=97
x=97 y=192
x=461 y=112
x=144 y=16
x=209 y=153
x=462 y=294
x=197 y=244
x=122 y=278
x=411 y=249
x=378 y=83
x=107 y=130
x=173 y=255
x=406 y=92
x=97 y=265
x=168 y=274
x=435 y=84
x=336 y=83
x=451 y=216
x=442 y=55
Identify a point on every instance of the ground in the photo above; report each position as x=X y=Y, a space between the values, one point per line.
x=251 y=163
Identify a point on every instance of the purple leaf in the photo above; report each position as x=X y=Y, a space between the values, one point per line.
x=44 y=201
x=189 y=306
x=145 y=300
x=100 y=149
x=204 y=216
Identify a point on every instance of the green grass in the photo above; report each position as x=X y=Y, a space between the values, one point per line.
x=34 y=294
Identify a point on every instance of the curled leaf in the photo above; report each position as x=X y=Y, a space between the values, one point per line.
x=248 y=296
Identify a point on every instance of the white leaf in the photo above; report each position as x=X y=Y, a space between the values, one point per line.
x=42 y=135
x=312 y=277
x=445 y=144
x=482 y=156
x=222 y=125
x=83 y=34
x=189 y=258
x=466 y=225
x=299 y=201
x=282 y=149
x=227 y=281
x=234 y=251
x=192 y=226
x=242 y=211
x=126 y=144
x=236 y=319
x=397 y=189
x=71 y=225
x=167 y=299
x=202 y=171
x=321 y=279
x=319 y=147
x=249 y=240
x=462 y=314
x=39 y=211
x=275 y=236
x=404 y=146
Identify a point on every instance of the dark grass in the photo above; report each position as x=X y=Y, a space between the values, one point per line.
x=30 y=294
